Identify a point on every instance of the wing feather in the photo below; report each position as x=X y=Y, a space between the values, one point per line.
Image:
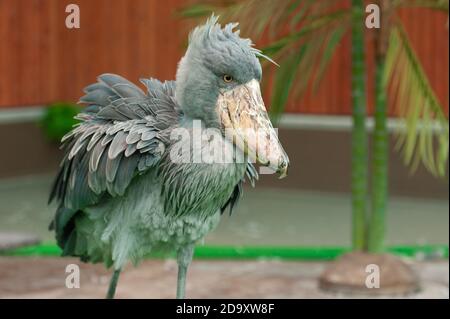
x=116 y=140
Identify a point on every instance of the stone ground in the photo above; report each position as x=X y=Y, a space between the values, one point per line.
x=29 y=277
x=266 y=217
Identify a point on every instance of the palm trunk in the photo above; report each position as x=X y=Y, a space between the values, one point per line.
x=359 y=135
x=379 y=168
x=377 y=223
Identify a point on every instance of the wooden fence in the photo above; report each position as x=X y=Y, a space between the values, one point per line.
x=42 y=61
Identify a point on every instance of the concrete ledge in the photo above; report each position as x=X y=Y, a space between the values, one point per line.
x=24 y=114
x=320 y=160
x=16 y=240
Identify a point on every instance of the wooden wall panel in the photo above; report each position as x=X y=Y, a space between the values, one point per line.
x=42 y=61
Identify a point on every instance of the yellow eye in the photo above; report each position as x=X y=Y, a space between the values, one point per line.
x=227 y=78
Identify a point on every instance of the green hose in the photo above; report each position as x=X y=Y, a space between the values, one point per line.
x=256 y=252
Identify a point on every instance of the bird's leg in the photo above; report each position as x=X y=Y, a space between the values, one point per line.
x=113 y=284
x=184 y=258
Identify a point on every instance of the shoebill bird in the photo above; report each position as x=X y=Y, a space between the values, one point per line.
x=120 y=190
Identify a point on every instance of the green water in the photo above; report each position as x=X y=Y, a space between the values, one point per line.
x=264 y=217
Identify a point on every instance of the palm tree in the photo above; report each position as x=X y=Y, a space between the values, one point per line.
x=315 y=28
x=304 y=35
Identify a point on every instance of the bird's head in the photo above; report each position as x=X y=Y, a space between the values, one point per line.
x=218 y=82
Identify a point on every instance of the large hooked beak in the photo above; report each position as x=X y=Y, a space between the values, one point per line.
x=244 y=117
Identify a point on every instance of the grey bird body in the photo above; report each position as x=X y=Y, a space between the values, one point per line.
x=158 y=204
x=121 y=191
x=129 y=227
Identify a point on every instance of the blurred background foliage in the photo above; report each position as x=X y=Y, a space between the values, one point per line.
x=303 y=36
x=58 y=119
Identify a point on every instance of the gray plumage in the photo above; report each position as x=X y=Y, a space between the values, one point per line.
x=119 y=194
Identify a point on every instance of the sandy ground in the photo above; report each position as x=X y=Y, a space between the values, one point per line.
x=27 y=277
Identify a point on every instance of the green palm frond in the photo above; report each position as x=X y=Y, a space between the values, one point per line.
x=305 y=55
x=284 y=80
x=304 y=35
x=257 y=20
x=424 y=137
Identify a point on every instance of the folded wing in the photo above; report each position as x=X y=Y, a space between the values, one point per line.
x=122 y=132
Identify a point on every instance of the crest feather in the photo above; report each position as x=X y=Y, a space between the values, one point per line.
x=212 y=32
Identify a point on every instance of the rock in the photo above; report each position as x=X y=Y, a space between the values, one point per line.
x=372 y=274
